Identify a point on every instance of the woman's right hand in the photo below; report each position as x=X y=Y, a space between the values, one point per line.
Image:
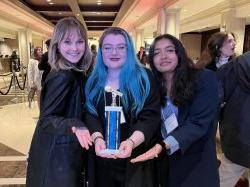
x=150 y=154
x=83 y=136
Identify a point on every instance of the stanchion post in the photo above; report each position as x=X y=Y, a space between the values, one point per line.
x=23 y=78
x=14 y=79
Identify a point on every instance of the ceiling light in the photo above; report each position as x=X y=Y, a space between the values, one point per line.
x=51 y=3
x=48 y=0
x=99 y=3
x=60 y=13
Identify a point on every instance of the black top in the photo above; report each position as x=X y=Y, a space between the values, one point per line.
x=44 y=66
x=148 y=122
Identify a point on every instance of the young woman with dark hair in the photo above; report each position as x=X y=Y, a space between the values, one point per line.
x=219 y=51
x=189 y=99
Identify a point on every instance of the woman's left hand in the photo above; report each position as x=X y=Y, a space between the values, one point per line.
x=83 y=137
x=125 y=149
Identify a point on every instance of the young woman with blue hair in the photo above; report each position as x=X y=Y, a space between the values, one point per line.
x=133 y=90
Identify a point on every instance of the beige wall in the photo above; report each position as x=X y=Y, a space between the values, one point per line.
x=192 y=43
x=37 y=42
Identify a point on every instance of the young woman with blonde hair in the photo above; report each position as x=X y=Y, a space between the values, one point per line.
x=56 y=156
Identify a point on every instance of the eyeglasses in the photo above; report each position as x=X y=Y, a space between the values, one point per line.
x=119 y=48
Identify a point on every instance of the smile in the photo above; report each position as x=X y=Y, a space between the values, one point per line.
x=74 y=54
x=164 y=63
x=114 y=59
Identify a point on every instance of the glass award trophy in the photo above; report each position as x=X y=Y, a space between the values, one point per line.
x=113 y=115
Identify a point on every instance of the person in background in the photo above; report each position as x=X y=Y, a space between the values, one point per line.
x=235 y=120
x=34 y=74
x=93 y=62
x=142 y=57
x=56 y=156
x=93 y=50
x=15 y=62
x=189 y=100
x=44 y=64
x=219 y=51
x=118 y=68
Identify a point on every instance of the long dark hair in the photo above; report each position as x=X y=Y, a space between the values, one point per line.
x=182 y=89
x=212 y=52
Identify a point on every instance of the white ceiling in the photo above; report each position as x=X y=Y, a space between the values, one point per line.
x=195 y=15
x=14 y=16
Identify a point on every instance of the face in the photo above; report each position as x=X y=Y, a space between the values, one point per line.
x=228 y=46
x=114 y=51
x=39 y=52
x=165 y=58
x=72 y=46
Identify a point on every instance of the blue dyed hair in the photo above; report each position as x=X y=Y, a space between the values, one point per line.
x=133 y=79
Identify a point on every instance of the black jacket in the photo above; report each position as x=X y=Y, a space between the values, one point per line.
x=235 y=122
x=44 y=66
x=56 y=157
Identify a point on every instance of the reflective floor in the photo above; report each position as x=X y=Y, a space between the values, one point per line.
x=17 y=124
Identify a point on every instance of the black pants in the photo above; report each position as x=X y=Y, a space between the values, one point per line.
x=162 y=164
x=110 y=172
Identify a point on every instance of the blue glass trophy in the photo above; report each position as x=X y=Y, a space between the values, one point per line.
x=113 y=115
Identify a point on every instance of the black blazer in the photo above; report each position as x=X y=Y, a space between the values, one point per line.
x=195 y=164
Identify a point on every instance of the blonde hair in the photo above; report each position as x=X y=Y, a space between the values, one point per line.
x=63 y=27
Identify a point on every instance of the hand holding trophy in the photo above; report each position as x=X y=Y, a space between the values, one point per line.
x=113 y=116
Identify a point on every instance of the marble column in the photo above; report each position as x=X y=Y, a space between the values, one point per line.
x=173 y=22
x=161 y=22
x=139 y=39
x=24 y=42
x=132 y=34
x=230 y=23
